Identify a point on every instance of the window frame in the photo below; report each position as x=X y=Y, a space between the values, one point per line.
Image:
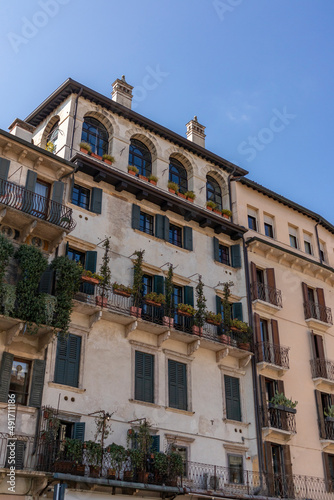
x=227 y=253
x=293 y=237
x=178 y=174
x=144 y=165
x=175 y=235
x=240 y=473
x=80 y=194
x=214 y=193
x=148 y=219
x=87 y=134
x=29 y=362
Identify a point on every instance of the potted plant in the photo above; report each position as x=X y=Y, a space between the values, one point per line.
x=211 y=205
x=153 y=179
x=226 y=213
x=181 y=195
x=90 y=277
x=143 y=177
x=118 y=455
x=190 y=195
x=94 y=457
x=137 y=289
x=85 y=148
x=245 y=338
x=108 y=159
x=168 y=319
x=133 y=170
x=74 y=453
x=119 y=289
x=329 y=414
x=140 y=453
x=200 y=313
x=280 y=402
x=160 y=467
x=185 y=310
x=105 y=281
x=226 y=313
x=212 y=318
x=175 y=468
x=94 y=155
x=173 y=187
x=154 y=299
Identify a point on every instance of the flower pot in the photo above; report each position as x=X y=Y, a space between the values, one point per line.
x=135 y=311
x=167 y=321
x=183 y=313
x=46 y=414
x=211 y=322
x=107 y=161
x=153 y=182
x=82 y=150
x=182 y=196
x=191 y=200
x=225 y=339
x=152 y=303
x=111 y=474
x=90 y=279
x=101 y=301
x=143 y=476
x=121 y=292
x=244 y=345
x=209 y=208
x=171 y=191
x=218 y=212
x=226 y=217
x=94 y=470
x=132 y=172
x=63 y=466
x=98 y=157
x=143 y=177
x=79 y=470
x=197 y=330
x=128 y=475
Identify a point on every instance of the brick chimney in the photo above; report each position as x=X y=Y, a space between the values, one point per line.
x=122 y=92
x=195 y=132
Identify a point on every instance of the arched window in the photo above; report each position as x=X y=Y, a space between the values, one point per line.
x=178 y=174
x=140 y=157
x=96 y=135
x=213 y=192
x=53 y=136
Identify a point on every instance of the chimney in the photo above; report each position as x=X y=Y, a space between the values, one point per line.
x=122 y=92
x=21 y=129
x=195 y=132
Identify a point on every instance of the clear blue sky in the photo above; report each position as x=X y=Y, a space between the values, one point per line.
x=239 y=65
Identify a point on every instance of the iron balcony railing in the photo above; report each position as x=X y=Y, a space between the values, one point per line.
x=160 y=316
x=319 y=312
x=266 y=293
x=277 y=418
x=321 y=368
x=326 y=428
x=273 y=354
x=34 y=204
x=40 y=455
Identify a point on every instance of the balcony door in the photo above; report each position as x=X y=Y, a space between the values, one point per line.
x=278 y=469
x=41 y=200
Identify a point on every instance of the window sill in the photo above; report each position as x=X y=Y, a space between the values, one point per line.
x=21 y=408
x=176 y=410
x=145 y=403
x=83 y=210
x=66 y=387
x=235 y=422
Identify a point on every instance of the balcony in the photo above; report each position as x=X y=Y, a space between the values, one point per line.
x=317 y=316
x=326 y=432
x=30 y=213
x=322 y=374
x=278 y=423
x=266 y=298
x=271 y=359
x=37 y=459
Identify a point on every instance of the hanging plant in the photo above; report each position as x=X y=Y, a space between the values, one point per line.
x=8 y=299
x=138 y=273
x=50 y=303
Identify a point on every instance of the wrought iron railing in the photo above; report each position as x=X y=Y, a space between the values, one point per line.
x=50 y=457
x=328 y=429
x=319 y=312
x=271 y=353
x=321 y=368
x=34 y=204
x=266 y=293
x=277 y=418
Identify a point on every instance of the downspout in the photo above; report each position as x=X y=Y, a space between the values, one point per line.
x=318 y=242
x=75 y=118
x=229 y=190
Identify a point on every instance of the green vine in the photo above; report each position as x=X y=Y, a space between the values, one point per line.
x=137 y=289
x=6 y=251
x=200 y=314
x=226 y=304
x=169 y=291
x=8 y=299
x=105 y=272
x=50 y=303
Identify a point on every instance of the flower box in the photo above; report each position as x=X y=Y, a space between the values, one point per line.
x=94 y=470
x=98 y=157
x=190 y=199
x=287 y=409
x=123 y=293
x=171 y=190
x=132 y=172
x=218 y=212
x=143 y=177
x=79 y=470
x=212 y=322
x=183 y=313
x=83 y=150
x=107 y=161
x=226 y=217
x=197 y=330
x=90 y=279
x=153 y=182
x=182 y=195
x=152 y=303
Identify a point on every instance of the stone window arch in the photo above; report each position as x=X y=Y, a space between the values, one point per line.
x=178 y=174
x=213 y=192
x=96 y=135
x=140 y=156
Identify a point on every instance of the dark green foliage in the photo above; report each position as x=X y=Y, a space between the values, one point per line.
x=226 y=304
x=6 y=251
x=105 y=273
x=138 y=278
x=169 y=291
x=200 y=314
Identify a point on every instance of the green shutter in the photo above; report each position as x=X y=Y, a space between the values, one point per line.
x=56 y=203
x=37 y=382
x=144 y=377
x=58 y=192
x=237 y=311
x=155 y=446
x=135 y=217
x=61 y=356
x=162 y=227
x=79 y=431
x=158 y=284
x=90 y=261
x=68 y=360
x=219 y=305
x=177 y=384
x=96 y=200
x=232 y=395
x=236 y=255
x=5 y=372
x=4 y=168
x=215 y=249
x=31 y=180
x=166 y=228
x=188 y=295
x=46 y=282
x=18 y=460
x=188 y=238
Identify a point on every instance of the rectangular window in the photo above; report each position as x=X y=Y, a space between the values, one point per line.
x=252 y=219
x=235 y=467
x=175 y=235
x=177 y=384
x=81 y=196
x=144 y=377
x=78 y=257
x=322 y=251
x=146 y=223
x=224 y=255
x=293 y=237
x=268 y=226
x=68 y=360
x=308 y=243
x=19 y=380
x=232 y=396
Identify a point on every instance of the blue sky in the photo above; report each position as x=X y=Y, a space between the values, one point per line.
x=257 y=73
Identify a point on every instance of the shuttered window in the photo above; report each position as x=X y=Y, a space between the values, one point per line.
x=144 y=377
x=68 y=360
x=177 y=384
x=232 y=397
x=15 y=459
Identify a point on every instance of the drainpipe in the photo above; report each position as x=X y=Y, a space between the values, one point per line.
x=75 y=118
x=229 y=190
x=254 y=374
x=318 y=242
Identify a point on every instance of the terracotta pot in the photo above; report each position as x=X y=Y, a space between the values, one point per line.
x=226 y=217
x=210 y=208
x=225 y=339
x=107 y=161
x=121 y=292
x=171 y=190
x=84 y=150
x=63 y=466
x=143 y=476
x=132 y=172
x=211 y=322
x=135 y=311
x=128 y=475
x=79 y=470
x=244 y=345
x=218 y=212
x=98 y=157
x=152 y=303
x=90 y=279
x=94 y=470
x=167 y=321
x=111 y=474
x=183 y=313
x=191 y=200
x=143 y=177
x=182 y=196
x=153 y=182
x=197 y=330
x=101 y=301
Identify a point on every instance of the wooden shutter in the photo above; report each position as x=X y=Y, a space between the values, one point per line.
x=188 y=238
x=188 y=295
x=236 y=255
x=237 y=311
x=5 y=372
x=166 y=227
x=96 y=200
x=177 y=384
x=215 y=249
x=269 y=467
x=264 y=404
x=158 y=284
x=18 y=460
x=260 y=349
x=61 y=358
x=155 y=446
x=288 y=471
x=277 y=351
x=321 y=417
x=37 y=383
x=232 y=397
x=79 y=431
x=307 y=307
x=68 y=360
x=162 y=227
x=322 y=305
x=31 y=180
x=4 y=168
x=272 y=285
x=46 y=282
x=135 y=221
x=144 y=377
x=327 y=473
x=58 y=192
x=319 y=355
x=57 y=199
x=255 y=292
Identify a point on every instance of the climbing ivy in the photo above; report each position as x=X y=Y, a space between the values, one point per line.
x=138 y=277
x=6 y=251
